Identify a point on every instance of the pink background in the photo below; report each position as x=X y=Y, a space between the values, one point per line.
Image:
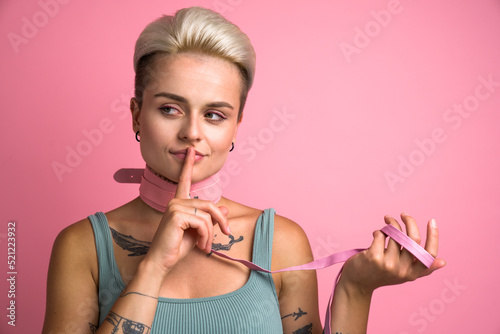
x=346 y=93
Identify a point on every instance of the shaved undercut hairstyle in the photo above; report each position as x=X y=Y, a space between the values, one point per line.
x=193 y=30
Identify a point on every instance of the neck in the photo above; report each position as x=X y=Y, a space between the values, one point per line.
x=156 y=191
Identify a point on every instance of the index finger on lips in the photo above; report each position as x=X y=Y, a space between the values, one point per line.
x=184 y=185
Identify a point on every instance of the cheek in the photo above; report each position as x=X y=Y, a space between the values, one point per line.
x=156 y=130
x=223 y=141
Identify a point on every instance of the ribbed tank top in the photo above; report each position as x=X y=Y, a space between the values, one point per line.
x=253 y=308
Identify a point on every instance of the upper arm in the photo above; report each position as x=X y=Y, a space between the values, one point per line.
x=297 y=290
x=72 y=293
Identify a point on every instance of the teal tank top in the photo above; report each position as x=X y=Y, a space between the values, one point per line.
x=253 y=308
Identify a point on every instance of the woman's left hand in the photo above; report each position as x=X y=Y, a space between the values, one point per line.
x=380 y=265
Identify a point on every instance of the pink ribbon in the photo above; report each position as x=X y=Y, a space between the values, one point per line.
x=402 y=239
x=155 y=191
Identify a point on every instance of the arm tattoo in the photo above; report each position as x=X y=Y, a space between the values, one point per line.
x=93 y=328
x=131 y=244
x=295 y=314
x=128 y=326
x=136 y=293
x=307 y=329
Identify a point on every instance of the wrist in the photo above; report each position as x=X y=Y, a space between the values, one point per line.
x=149 y=276
x=353 y=290
x=350 y=307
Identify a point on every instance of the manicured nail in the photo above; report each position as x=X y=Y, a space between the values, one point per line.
x=433 y=223
x=405 y=214
x=228 y=229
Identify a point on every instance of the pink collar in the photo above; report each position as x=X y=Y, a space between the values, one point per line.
x=157 y=192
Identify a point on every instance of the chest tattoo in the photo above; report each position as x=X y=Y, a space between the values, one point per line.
x=129 y=243
x=226 y=247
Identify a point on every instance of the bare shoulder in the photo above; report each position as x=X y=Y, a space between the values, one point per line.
x=290 y=243
x=72 y=279
x=75 y=244
x=287 y=230
x=79 y=234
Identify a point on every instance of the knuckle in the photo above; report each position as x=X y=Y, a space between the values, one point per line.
x=389 y=266
x=173 y=203
x=212 y=207
x=376 y=258
x=402 y=274
x=175 y=215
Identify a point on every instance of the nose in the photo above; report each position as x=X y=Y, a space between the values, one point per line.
x=190 y=129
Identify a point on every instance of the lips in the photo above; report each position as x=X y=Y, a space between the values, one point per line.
x=181 y=155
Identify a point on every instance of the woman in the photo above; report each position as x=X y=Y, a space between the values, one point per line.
x=146 y=267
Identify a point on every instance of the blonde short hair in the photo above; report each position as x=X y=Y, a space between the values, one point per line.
x=198 y=30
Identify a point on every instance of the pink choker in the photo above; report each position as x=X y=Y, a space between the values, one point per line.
x=157 y=192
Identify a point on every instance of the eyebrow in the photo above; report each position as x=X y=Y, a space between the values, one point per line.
x=172 y=96
x=217 y=104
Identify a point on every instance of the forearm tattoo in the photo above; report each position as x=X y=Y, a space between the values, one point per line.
x=296 y=315
x=128 y=326
x=131 y=244
x=93 y=328
x=307 y=329
x=136 y=293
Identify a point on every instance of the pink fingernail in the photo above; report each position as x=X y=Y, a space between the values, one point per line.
x=433 y=223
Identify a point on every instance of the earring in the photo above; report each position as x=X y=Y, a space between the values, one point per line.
x=137 y=137
x=232 y=147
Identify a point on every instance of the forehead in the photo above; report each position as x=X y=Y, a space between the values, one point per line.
x=195 y=76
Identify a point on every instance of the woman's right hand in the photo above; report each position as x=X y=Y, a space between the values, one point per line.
x=186 y=223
